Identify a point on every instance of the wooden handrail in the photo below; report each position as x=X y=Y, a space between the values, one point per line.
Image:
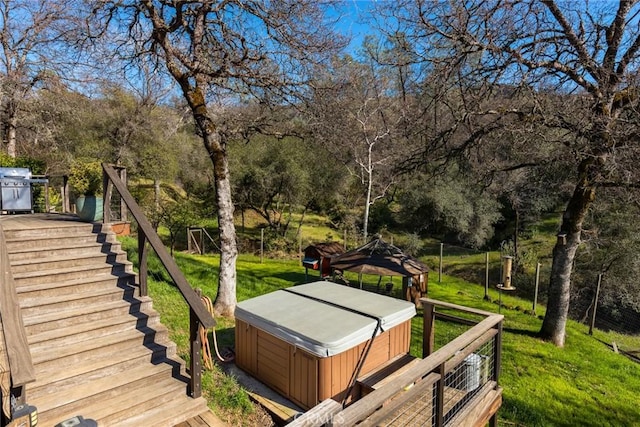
x=188 y=293
x=21 y=367
x=198 y=313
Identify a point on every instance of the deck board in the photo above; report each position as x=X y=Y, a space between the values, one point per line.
x=207 y=419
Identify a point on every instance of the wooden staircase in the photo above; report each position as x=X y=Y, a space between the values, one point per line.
x=99 y=350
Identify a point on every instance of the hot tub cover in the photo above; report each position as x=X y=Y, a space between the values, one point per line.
x=324 y=318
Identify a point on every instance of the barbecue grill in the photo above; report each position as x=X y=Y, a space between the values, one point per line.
x=15 y=189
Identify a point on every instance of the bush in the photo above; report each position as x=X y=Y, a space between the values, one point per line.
x=86 y=177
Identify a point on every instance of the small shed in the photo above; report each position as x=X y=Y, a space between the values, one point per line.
x=318 y=257
x=311 y=342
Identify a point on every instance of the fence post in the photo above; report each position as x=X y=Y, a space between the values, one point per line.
x=440 y=266
x=195 y=384
x=486 y=276
x=439 y=407
x=428 y=328
x=535 y=294
x=261 y=244
x=595 y=305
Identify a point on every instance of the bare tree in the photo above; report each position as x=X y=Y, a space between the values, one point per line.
x=32 y=33
x=358 y=116
x=584 y=53
x=225 y=51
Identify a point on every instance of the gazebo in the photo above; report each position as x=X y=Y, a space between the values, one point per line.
x=380 y=258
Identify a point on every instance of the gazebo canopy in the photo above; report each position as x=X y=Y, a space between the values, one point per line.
x=379 y=258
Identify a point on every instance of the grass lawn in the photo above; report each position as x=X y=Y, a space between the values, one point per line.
x=584 y=384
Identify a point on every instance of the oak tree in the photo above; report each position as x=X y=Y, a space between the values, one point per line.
x=219 y=52
x=575 y=66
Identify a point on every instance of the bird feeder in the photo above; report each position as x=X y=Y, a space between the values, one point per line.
x=507 y=264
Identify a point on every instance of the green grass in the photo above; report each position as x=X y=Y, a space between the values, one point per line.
x=584 y=384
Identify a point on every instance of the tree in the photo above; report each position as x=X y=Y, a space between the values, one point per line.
x=32 y=36
x=585 y=54
x=224 y=51
x=357 y=116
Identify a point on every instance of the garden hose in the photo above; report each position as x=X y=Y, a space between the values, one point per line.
x=204 y=338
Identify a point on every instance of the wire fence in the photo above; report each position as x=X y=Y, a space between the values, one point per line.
x=530 y=281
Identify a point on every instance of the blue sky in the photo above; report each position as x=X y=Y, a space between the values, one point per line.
x=353 y=21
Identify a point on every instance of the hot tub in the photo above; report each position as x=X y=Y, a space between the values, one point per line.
x=307 y=341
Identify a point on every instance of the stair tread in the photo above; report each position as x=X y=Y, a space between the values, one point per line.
x=79 y=311
x=50 y=272
x=49 y=259
x=89 y=325
x=76 y=334
x=179 y=410
x=103 y=364
x=47 y=353
x=108 y=400
x=13 y=246
x=73 y=296
x=63 y=395
x=74 y=282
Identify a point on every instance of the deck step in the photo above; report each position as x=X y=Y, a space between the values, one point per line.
x=67 y=261
x=66 y=248
x=120 y=341
x=177 y=411
x=21 y=244
x=39 y=322
x=94 y=283
x=67 y=391
x=31 y=306
x=99 y=349
x=94 y=365
x=70 y=273
x=110 y=399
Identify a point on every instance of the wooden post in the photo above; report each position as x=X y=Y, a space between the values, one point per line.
x=107 y=188
x=595 y=305
x=486 y=276
x=143 y=253
x=439 y=407
x=123 y=206
x=440 y=266
x=428 y=328
x=189 y=237
x=195 y=385
x=47 y=207
x=497 y=354
x=261 y=245
x=535 y=293
x=66 y=205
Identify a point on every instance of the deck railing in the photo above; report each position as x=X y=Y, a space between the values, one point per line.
x=15 y=356
x=454 y=385
x=147 y=236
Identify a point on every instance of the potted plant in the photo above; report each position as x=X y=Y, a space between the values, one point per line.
x=85 y=178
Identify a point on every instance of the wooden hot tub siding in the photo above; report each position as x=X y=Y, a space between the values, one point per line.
x=305 y=378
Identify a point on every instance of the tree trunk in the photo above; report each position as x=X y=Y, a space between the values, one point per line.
x=10 y=128
x=156 y=193
x=564 y=252
x=225 y=302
